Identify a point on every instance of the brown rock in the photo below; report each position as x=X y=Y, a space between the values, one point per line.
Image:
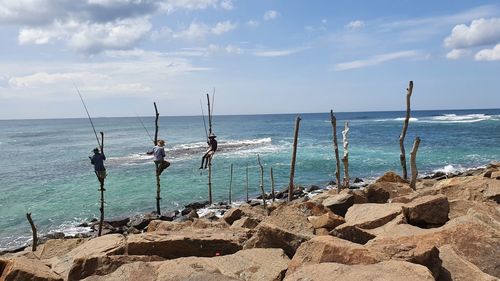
x=387 y=271
x=158 y=225
x=468 y=188
x=272 y=236
x=58 y=247
x=381 y=192
x=492 y=192
x=254 y=264
x=391 y=177
x=232 y=215
x=321 y=231
x=245 y=222
x=352 y=233
x=328 y=220
x=339 y=203
x=457 y=268
x=192 y=242
x=372 y=215
x=22 y=268
x=427 y=211
x=322 y=249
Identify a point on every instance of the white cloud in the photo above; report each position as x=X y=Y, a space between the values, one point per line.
x=230 y=49
x=456 y=54
x=357 y=24
x=223 y=27
x=270 y=15
x=277 y=53
x=173 y=5
x=253 y=23
x=480 y=32
x=226 y=4
x=488 y=54
x=89 y=38
x=375 y=60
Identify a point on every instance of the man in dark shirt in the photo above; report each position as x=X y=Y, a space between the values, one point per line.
x=212 y=147
x=98 y=161
x=159 y=157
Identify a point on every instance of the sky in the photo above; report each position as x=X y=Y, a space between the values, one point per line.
x=260 y=56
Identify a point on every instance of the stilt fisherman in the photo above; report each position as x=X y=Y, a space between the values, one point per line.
x=159 y=157
x=212 y=147
x=98 y=161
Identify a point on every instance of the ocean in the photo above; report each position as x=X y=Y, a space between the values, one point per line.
x=45 y=170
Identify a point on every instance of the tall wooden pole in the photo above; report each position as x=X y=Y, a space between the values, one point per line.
x=33 y=230
x=402 y=156
x=158 y=186
x=333 y=119
x=413 y=158
x=294 y=155
x=210 y=157
x=231 y=185
x=345 y=159
x=101 y=182
x=272 y=185
x=262 y=182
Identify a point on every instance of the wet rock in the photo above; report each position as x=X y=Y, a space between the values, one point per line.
x=197 y=205
x=119 y=222
x=358 y=180
x=313 y=188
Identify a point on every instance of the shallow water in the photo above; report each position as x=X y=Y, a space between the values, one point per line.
x=45 y=170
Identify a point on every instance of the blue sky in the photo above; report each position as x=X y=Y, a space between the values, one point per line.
x=261 y=56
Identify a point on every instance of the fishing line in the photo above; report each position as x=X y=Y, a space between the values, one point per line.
x=90 y=119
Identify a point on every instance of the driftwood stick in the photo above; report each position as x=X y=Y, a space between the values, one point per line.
x=262 y=182
x=33 y=230
x=345 y=159
x=158 y=186
x=413 y=156
x=231 y=184
x=333 y=119
x=402 y=156
x=272 y=186
x=247 y=182
x=294 y=155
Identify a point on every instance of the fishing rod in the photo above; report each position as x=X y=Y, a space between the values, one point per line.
x=140 y=120
x=213 y=99
x=90 y=119
x=204 y=122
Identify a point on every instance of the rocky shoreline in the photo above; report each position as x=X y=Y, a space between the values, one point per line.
x=448 y=229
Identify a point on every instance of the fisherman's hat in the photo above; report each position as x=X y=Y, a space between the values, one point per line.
x=95 y=150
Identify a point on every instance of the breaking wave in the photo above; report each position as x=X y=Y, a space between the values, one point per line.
x=467 y=118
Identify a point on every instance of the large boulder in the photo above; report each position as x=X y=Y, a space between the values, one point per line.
x=457 y=268
x=352 y=233
x=22 y=268
x=475 y=188
x=427 y=211
x=339 y=203
x=232 y=215
x=328 y=220
x=391 y=177
x=253 y=264
x=207 y=242
x=372 y=215
x=381 y=192
x=323 y=249
x=58 y=247
x=245 y=222
x=387 y=271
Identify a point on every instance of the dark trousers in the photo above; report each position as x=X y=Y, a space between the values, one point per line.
x=161 y=166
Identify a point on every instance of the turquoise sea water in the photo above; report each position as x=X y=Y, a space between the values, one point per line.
x=44 y=168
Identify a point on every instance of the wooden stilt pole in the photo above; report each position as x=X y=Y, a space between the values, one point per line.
x=294 y=155
x=272 y=186
x=262 y=183
x=210 y=157
x=333 y=119
x=345 y=160
x=231 y=185
x=413 y=158
x=158 y=186
x=402 y=156
x=101 y=182
x=33 y=230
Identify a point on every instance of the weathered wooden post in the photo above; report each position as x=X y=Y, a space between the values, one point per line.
x=333 y=119
x=210 y=157
x=345 y=159
x=262 y=183
x=33 y=230
x=101 y=182
x=158 y=186
x=294 y=155
x=272 y=185
x=413 y=157
x=402 y=156
x=231 y=185
x=247 y=181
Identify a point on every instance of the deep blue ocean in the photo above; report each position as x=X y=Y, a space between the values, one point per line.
x=45 y=170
